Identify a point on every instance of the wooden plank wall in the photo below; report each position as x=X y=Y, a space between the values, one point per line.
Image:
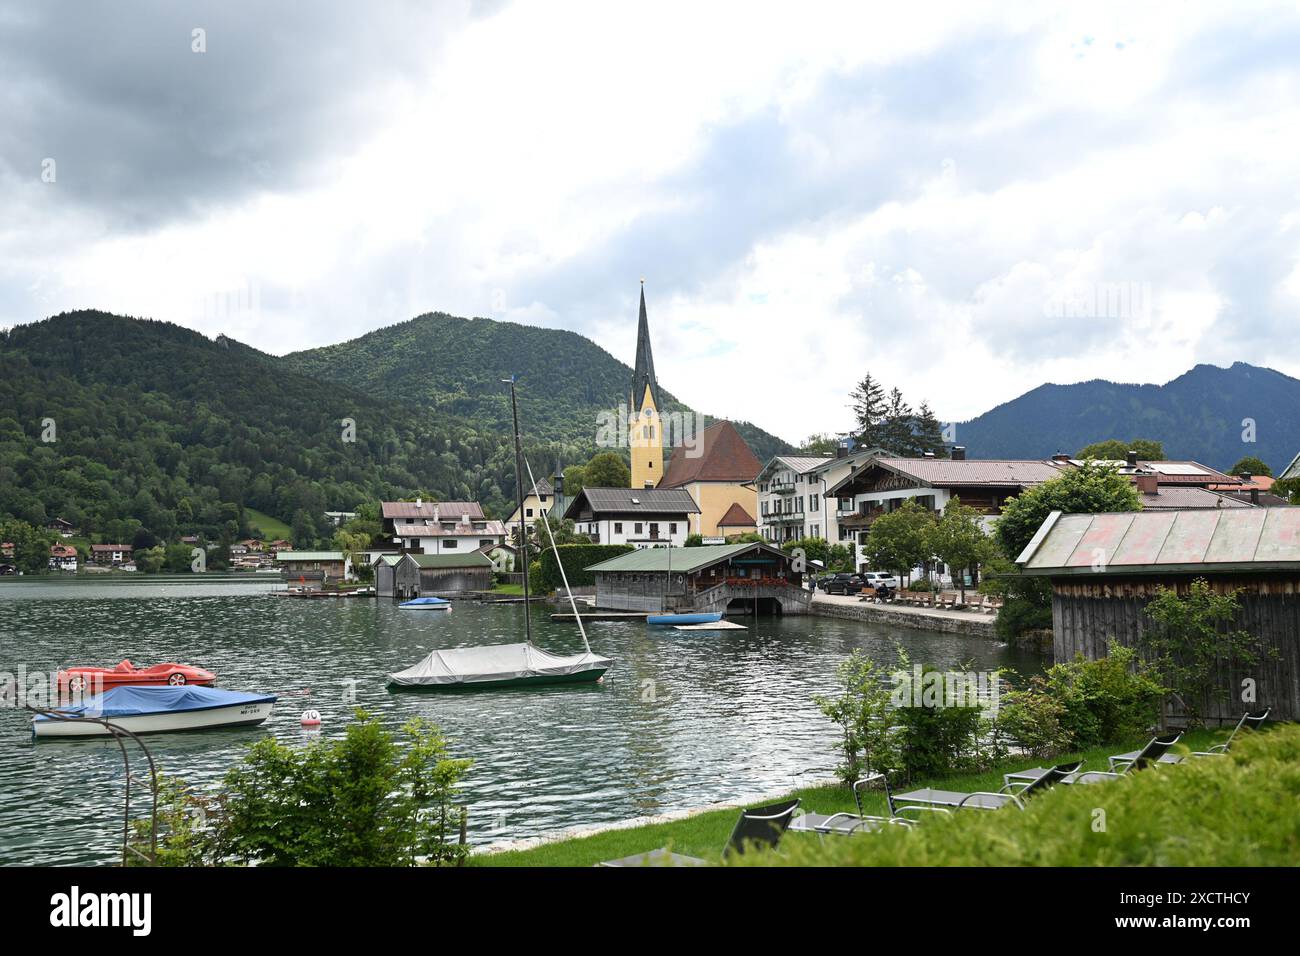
x=1087 y=614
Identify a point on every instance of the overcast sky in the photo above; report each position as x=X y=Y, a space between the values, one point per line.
x=965 y=202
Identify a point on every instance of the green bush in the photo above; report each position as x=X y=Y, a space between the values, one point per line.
x=937 y=737
x=1210 y=811
x=1018 y=615
x=577 y=558
x=362 y=800
x=1082 y=703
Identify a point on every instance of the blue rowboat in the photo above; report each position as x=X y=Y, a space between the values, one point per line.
x=698 y=618
x=426 y=604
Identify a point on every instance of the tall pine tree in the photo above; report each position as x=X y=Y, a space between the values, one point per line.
x=929 y=433
x=869 y=411
x=896 y=429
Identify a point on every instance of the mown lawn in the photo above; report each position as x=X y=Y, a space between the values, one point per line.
x=705 y=834
x=270 y=528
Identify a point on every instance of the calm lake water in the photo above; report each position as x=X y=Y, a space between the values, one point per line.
x=682 y=719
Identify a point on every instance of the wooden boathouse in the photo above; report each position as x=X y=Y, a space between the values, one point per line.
x=736 y=578
x=432 y=575
x=1104 y=568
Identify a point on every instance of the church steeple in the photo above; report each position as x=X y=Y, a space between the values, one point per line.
x=643 y=374
x=645 y=433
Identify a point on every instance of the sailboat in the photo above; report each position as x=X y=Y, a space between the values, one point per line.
x=509 y=665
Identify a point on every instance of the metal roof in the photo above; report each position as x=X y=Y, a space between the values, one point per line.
x=1292 y=470
x=309 y=556
x=1145 y=542
x=682 y=559
x=1181 y=497
x=969 y=472
x=431 y=509
x=470 y=559
x=634 y=501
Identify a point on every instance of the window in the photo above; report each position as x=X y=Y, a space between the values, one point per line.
x=812 y=502
x=529 y=512
x=450 y=544
x=618 y=527
x=654 y=529
x=485 y=542
x=672 y=527
x=636 y=528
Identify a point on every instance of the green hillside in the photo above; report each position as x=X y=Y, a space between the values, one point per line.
x=454 y=367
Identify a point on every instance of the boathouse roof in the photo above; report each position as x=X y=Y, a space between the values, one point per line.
x=1166 y=542
x=682 y=559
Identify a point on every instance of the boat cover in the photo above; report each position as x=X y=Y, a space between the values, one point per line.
x=415 y=602
x=135 y=701
x=496 y=662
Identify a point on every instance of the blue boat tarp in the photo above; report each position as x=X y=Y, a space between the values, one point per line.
x=702 y=617
x=423 y=602
x=136 y=701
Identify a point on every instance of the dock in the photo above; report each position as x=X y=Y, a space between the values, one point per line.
x=601 y=616
x=714 y=626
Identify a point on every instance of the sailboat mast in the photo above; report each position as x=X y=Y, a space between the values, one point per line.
x=519 y=495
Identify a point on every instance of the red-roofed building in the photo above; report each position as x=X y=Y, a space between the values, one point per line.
x=63 y=557
x=110 y=555
x=718 y=470
x=737 y=521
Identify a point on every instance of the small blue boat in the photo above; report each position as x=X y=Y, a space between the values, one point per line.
x=696 y=618
x=426 y=604
x=156 y=710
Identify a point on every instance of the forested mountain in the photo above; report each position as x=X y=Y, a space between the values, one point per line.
x=1201 y=415
x=454 y=367
x=154 y=426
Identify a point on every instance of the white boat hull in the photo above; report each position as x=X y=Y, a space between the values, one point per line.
x=233 y=715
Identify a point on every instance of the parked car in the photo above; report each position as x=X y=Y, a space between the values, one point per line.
x=878 y=579
x=843 y=583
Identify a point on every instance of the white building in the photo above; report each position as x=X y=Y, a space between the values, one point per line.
x=795 y=498
x=443 y=527
x=642 y=517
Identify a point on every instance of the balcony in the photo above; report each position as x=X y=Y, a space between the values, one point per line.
x=783 y=518
x=782 y=487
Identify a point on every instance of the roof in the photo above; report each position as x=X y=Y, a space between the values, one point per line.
x=543 y=487
x=1143 y=542
x=633 y=501
x=62 y=551
x=802 y=465
x=459 y=529
x=1189 y=496
x=970 y=472
x=721 y=455
x=470 y=559
x=1184 y=472
x=110 y=547
x=736 y=517
x=1292 y=470
x=643 y=374
x=309 y=556
x=681 y=559
x=1260 y=482
x=431 y=509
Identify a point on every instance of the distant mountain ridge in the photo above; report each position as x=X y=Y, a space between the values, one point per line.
x=1203 y=414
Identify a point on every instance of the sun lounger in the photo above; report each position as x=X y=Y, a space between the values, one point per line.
x=846 y=824
x=760 y=827
x=1157 y=748
x=1248 y=720
x=1013 y=792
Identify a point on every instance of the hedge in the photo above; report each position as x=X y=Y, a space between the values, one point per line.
x=577 y=558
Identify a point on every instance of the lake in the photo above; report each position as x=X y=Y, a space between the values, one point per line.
x=682 y=719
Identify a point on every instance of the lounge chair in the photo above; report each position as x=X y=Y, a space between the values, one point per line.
x=1013 y=792
x=1153 y=752
x=1248 y=719
x=761 y=827
x=846 y=824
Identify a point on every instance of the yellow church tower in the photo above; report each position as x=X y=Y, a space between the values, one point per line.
x=645 y=432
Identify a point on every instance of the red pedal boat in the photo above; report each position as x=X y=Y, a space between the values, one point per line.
x=100 y=679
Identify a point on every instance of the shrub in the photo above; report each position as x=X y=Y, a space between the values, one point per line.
x=864 y=712
x=936 y=737
x=359 y=801
x=1117 y=694
x=1211 y=811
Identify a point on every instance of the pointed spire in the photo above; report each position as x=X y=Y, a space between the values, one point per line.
x=644 y=372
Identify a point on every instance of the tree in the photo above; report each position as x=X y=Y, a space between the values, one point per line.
x=869 y=411
x=694 y=541
x=1190 y=643
x=563 y=529
x=304 y=531
x=574 y=480
x=1085 y=489
x=1250 y=465
x=820 y=445
x=929 y=433
x=1112 y=449
x=31 y=546
x=607 y=470
x=959 y=541
x=896 y=430
x=899 y=540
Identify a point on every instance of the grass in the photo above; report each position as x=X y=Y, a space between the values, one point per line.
x=270 y=528
x=704 y=835
x=517 y=589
